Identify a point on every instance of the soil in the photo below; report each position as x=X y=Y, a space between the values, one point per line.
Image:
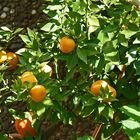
x=21 y=13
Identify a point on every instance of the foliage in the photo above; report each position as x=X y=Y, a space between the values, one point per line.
x=107 y=38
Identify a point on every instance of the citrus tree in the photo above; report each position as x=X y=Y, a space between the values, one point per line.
x=83 y=62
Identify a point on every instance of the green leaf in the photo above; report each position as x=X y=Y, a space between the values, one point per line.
x=132 y=128
x=44 y=57
x=62 y=113
x=137 y=65
x=85 y=138
x=49 y=27
x=35 y=45
x=92 y=47
x=40 y=109
x=18 y=30
x=122 y=40
x=55 y=7
x=131 y=124
x=110 y=52
x=100 y=65
x=77 y=28
x=106 y=2
x=91 y=51
x=74 y=16
x=113 y=58
x=62 y=96
x=89 y=104
x=133 y=27
x=136 y=41
x=6 y=29
x=25 y=39
x=136 y=137
x=129 y=91
x=88 y=110
x=31 y=33
x=82 y=54
x=83 y=65
x=72 y=60
x=108 y=47
x=70 y=74
x=92 y=29
x=105 y=112
x=48 y=102
x=79 y=6
x=111 y=28
x=111 y=129
x=3 y=136
x=93 y=20
x=103 y=37
x=132 y=111
x=128 y=33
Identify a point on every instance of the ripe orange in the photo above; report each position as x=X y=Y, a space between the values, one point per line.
x=24 y=126
x=28 y=77
x=3 y=56
x=113 y=91
x=38 y=93
x=13 y=60
x=67 y=44
x=95 y=88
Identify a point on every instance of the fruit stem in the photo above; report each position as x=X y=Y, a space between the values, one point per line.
x=56 y=69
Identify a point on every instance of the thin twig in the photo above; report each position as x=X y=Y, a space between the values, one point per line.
x=97 y=130
x=15 y=135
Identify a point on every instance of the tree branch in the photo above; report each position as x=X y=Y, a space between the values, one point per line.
x=97 y=131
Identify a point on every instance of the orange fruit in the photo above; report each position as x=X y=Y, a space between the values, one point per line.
x=24 y=126
x=13 y=60
x=95 y=88
x=67 y=44
x=113 y=91
x=3 y=56
x=38 y=93
x=28 y=77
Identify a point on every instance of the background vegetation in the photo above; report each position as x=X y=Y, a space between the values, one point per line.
x=107 y=38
